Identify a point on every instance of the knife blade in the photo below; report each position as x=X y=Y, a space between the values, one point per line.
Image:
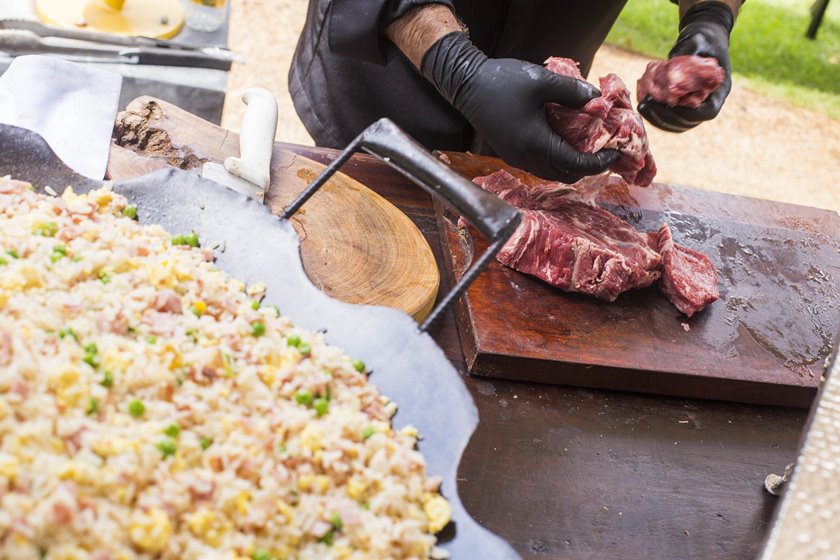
x=250 y=174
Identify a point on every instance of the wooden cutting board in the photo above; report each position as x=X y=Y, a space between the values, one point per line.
x=355 y=245
x=765 y=340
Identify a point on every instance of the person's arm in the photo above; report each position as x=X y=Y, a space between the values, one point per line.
x=420 y=28
x=503 y=99
x=705 y=26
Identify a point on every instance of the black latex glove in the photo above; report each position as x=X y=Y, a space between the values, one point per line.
x=704 y=31
x=504 y=100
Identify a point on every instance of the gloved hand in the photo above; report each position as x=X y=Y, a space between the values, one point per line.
x=504 y=99
x=704 y=31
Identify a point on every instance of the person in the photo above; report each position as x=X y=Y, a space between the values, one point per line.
x=468 y=75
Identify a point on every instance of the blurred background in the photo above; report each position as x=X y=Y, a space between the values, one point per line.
x=778 y=136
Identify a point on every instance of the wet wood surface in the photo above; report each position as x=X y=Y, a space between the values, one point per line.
x=571 y=473
x=764 y=341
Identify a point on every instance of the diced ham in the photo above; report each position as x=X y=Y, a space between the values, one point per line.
x=167 y=301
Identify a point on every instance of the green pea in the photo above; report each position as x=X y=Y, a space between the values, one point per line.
x=173 y=431
x=261 y=554
x=257 y=329
x=205 y=442
x=136 y=408
x=168 y=447
x=48 y=229
x=255 y=304
x=191 y=239
x=107 y=379
x=130 y=211
x=305 y=349
x=359 y=366
x=368 y=432
x=304 y=396
x=65 y=332
x=321 y=406
x=93 y=406
x=293 y=340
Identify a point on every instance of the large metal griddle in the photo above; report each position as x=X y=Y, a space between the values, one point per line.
x=407 y=364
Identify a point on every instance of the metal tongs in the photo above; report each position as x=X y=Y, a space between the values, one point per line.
x=25 y=36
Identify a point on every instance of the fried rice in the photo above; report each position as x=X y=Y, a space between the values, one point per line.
x=152 y=407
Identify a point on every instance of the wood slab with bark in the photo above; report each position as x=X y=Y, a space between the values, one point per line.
x=355 y=245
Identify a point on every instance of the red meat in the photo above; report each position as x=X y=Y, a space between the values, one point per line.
x=689 y=279
x=570 y=243
x=682 y=81
x=605 y=122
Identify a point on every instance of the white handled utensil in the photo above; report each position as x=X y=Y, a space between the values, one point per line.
x=250 y=173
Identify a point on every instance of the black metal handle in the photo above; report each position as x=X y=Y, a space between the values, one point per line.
x=491 y=216
x=175 y=57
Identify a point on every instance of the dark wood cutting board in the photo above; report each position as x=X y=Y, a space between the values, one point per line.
x=765 y=340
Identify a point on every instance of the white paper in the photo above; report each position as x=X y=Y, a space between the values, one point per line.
x=72 y=106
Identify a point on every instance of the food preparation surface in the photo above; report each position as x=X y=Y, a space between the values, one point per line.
x=590 y=474
x=356 y=246
x=765 y=341
x=577 y=473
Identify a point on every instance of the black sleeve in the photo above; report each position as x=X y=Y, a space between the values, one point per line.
x=354 y=26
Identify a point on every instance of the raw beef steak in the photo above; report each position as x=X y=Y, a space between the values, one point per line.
x=605 y=122
x=567 y=241
x=682 y=81
x=571 y=244
x=689 y=279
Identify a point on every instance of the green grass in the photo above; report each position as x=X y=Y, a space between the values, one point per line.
x=770 y=53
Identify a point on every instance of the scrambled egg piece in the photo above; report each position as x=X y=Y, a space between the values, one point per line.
x=438 y=511
x=150 y=531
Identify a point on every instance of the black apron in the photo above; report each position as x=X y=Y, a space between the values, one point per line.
x=345 y=74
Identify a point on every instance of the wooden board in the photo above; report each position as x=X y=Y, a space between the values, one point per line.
x=765 y=340
x=355 y=245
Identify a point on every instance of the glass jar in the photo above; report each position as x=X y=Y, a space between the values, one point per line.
x=204 y=15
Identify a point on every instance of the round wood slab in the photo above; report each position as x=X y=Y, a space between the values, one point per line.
x=355 y=245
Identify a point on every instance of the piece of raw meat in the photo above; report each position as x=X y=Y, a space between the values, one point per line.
x=571 y=244
x=608 y=121
x=689 y=279
x=682 y=81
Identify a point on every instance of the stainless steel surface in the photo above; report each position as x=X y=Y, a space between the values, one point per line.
x=407 y=364
x=806 y=523
x=216 y=172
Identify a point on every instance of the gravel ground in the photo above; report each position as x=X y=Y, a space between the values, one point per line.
x=758 y=146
